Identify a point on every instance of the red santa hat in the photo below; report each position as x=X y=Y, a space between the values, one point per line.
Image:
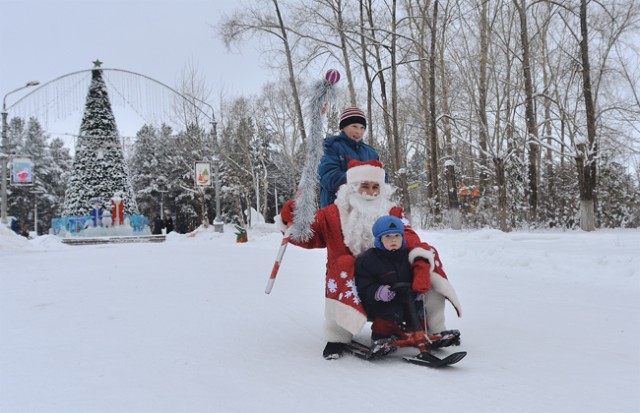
x=369 y=171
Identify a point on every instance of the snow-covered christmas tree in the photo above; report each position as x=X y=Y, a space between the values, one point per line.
x=99 y=168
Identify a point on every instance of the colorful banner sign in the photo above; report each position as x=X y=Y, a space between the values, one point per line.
x=21 y=170
x=203 y=174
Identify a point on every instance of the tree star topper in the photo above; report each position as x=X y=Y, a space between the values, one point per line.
x=97 y=63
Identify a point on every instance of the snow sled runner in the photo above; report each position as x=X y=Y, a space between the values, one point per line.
x=413 y=337
x=424 y=358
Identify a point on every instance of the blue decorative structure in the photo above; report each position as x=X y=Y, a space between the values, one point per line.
x=84 y=226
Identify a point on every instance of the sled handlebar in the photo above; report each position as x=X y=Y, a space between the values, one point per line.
x=401 y=286
x=403 y=289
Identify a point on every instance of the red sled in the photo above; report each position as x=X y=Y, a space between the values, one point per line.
x=412 y=335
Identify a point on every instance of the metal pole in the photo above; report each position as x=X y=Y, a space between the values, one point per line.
x=162 y=203
x=4 y=155
x=257 y=201
x=35 y=193
x=218 y=225
x=35 y=213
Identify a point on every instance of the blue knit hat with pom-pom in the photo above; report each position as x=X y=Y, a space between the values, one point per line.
x=387 y=224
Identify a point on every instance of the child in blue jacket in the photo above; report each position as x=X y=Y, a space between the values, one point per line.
x=339 y=150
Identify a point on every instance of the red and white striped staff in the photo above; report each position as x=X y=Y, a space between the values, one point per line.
x=276 y=265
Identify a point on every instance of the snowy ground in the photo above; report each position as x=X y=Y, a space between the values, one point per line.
x=551 y=323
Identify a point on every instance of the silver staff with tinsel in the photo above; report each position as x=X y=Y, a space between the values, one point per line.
x=306 y=205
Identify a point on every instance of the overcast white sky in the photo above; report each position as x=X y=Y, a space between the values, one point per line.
x=44 y=39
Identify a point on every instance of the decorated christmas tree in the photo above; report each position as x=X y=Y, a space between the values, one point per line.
x=99 y=169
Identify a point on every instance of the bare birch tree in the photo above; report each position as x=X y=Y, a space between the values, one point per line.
x=451 y=178
x=530 y=111
x=252 y=21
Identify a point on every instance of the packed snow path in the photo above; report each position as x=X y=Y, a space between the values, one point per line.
x=551 y=323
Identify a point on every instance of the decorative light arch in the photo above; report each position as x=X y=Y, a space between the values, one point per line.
x=66 y=94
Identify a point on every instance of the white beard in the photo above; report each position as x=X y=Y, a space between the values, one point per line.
x=358 y=213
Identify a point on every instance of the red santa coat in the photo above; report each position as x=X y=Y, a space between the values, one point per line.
x=117 y=211
x=343 y=303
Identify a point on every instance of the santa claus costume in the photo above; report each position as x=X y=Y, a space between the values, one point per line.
x=344 y=229
x=117 y=210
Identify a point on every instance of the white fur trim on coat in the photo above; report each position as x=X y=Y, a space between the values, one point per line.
x=344 y=316
x=422 y=253
x=434 y=307
x=362 y=173
x=442 y=286
x=333 y=333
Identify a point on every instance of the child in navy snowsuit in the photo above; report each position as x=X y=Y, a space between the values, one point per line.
x=377 y=270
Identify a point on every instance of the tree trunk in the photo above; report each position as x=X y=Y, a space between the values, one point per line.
x=433 y=128
x=425 y=101
x=587 y=155
x=398 y=152
x=344 y=47
x=502 y=195
x=482 y=96
x=292 y=76
x=383 y=85
x=203 y=207
x=452 y=192
x=365 y=16
x=420 y=39
x=450 y=167
x=265 y=196
x=532 y=126
x=547 y=77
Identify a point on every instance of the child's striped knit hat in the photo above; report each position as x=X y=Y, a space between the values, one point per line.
x=351 y=115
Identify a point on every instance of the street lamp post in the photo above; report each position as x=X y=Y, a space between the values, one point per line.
x=35 y=209
x=162 y=192
x=218 y=224
x=4 y=153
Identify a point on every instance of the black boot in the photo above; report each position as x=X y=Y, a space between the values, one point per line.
x=333 y=350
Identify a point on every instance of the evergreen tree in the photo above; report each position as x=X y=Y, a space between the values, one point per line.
x=240 y=158
x=618 y=196
x=59 y=173
x=35 y=147
x=144 y=166
x=99 y=169
x=51 y=163
x=189 y=204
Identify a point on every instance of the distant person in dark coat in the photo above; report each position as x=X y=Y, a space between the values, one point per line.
x=158 y=224
x=15 y=226
x=168 y=224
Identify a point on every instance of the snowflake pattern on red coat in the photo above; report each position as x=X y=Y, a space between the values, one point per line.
x=343 y=288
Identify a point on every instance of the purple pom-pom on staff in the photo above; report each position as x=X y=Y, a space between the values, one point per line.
x=332 y=76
